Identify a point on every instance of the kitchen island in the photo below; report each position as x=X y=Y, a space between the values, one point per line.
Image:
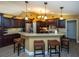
x=30 y=37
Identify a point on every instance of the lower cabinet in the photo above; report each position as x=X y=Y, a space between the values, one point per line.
x=8 y=39
x=0 y=42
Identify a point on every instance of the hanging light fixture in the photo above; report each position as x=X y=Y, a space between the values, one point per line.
x=45 y=3
x=26 y=18
x=61 y=17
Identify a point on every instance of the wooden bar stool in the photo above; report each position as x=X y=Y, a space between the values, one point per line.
x=53 y=45
x=65 y=43
x=39 y=45
x=19 y=44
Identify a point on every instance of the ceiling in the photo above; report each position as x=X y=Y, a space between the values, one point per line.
x=53 y=7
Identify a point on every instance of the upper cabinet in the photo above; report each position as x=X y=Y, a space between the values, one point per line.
x=56 y=22
x=6 y=22
x=52 y=22
x=0 y=20
x=19 y=23
x=12 y=23
x=42 y=27
x=61 y=24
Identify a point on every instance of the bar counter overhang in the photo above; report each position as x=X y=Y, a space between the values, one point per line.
x=30 y=37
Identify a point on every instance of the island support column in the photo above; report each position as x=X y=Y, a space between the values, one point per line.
x=34 y=27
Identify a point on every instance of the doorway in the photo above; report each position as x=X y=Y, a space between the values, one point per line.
x=71 y=29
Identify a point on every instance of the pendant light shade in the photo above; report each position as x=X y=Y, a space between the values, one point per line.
x=61 y=17
x=26 y=17
x=45 y=17
x=45 y=3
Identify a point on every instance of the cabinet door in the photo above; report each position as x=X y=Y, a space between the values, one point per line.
x=0 y=41
x=5 y=41
x=0 y=21
x=61 y=23
x=7 y=22
x=19 y=23
x=12 y=23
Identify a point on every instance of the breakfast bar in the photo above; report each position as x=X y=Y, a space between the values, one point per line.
x=30 y=37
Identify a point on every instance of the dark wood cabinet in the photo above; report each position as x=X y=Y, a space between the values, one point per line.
x=56 y=22
x=12 y=23
x=52 y=22
x=20 y=23
x=6 y=22
x=61 y=24
x=0 y=21
x=42 y=27
x=9 y=23
x=8 y=39
x=0 y=41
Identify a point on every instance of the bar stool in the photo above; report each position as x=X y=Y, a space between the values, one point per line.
x=53 y=45
x=39 y=45
x=65 y=43
x=19 y=44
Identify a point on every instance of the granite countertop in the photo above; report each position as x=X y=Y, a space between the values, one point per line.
x=10 y=33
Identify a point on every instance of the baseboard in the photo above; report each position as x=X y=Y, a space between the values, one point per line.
x=28 y=52
x=32 y=53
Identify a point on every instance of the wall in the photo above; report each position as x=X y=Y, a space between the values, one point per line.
x=62 y=30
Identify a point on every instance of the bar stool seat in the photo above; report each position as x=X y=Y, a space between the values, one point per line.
x=65 y=41
x=19 y=44
x=54 y=45
x=39 y=45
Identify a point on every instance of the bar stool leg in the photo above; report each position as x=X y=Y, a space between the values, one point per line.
x=44 y=51
x=55 y=49
x=24 y=46
x=68 y=49
x=50 y=51
x=18 y=49
x=14 y=47
x=59 y=51
x=34 y=51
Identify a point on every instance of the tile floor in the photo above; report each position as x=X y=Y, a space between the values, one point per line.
x=8 y=52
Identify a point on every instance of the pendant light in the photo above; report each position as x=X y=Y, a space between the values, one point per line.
x=26 y=18
x=45 y=3
x=61 y=17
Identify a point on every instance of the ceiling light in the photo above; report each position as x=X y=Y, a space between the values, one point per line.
x=26 y=18
x=45 y=17
x=61 y=17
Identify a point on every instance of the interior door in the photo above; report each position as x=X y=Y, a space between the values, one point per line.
x=71 y=29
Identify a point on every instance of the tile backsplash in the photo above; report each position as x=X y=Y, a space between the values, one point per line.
x=13 y=30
